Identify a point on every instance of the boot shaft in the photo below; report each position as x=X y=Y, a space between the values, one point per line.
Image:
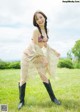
x=22 y=92
x=49 y=90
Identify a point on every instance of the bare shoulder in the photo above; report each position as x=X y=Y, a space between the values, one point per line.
x=35 y=36
x=35 y=32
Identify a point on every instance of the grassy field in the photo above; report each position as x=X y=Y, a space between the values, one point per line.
x=66 y=88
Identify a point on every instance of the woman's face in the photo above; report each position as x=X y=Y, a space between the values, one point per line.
x=40 y=20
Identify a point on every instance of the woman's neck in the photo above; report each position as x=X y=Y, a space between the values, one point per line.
x=42 y=28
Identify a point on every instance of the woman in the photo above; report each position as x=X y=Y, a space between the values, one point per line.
x=39 y=55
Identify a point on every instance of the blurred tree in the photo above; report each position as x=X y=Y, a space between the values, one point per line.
x=76 y=50
x=69 y=54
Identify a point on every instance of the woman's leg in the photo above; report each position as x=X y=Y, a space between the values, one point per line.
x=24 y=72
x=42 y=73
x=47 y=85
x=51 y=93
x=22 y=83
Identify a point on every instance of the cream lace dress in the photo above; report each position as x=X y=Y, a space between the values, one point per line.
x=32 y=61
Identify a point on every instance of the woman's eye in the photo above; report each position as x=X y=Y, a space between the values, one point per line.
x=40 y=17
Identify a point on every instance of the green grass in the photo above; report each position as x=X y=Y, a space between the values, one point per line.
x=66 y=88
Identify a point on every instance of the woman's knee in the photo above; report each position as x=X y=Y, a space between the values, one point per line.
x=44 y=78
x=22 y=82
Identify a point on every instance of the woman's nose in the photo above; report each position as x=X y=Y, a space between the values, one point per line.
x=39 y=20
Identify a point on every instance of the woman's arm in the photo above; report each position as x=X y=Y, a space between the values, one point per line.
x=57 y=54
x=35 y=37
x=35 y=44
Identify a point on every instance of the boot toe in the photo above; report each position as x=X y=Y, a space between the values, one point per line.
x=57 y=102
x=20 y=105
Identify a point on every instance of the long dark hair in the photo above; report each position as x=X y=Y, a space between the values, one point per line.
x=35 y=24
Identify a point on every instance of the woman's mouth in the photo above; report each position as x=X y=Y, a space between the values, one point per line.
x=40 y=22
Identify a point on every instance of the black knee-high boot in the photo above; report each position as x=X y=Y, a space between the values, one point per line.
x=21 y=95
x=51 y=93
